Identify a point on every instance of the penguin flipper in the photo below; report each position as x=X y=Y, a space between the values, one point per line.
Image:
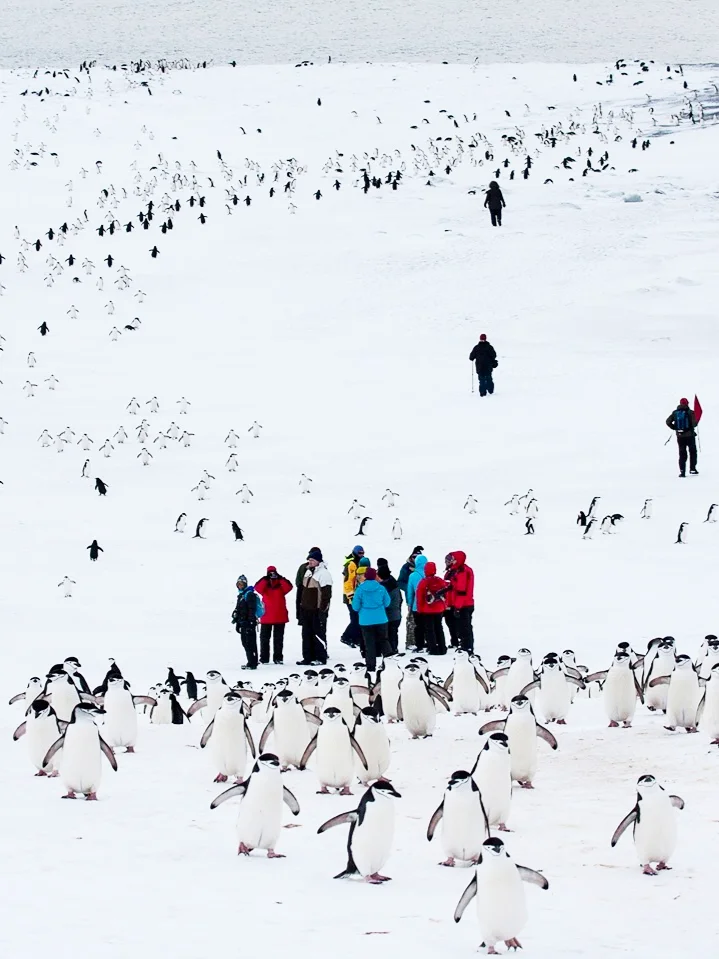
x=311 y=746
x=448 y=682
x=144 y=700
x=482 y=682
x=360 y=753
x=434 y=821
x=531 y=875
x=440 y=695
x=55 y=748
x=535 y=684
x=700 y=707
x=312 y=701
x=498 y=673
x=362 y=690
x=311 y=718
x=248 y=694
x=239 y=789
x=548 y=737
x=596 y=677
x=109 y=754
x=342 y=819
x=570 y=671
x=659 y=681
x=266 y=733
x=291 y=800
x=493 y=726
x=638 y=688
x=250 y=740
x=400 y=714
x=88 y=698
x=207 y=733
x=20 y=731
x=623 y=825
x=467 y=896
x=677 y=802
x=351 y=870
x=16 y=698
x=197 y=705
x=575 y=682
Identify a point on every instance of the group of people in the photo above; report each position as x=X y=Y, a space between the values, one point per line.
x=374 y=599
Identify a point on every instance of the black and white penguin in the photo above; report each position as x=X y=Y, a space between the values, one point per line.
x=289 y=725
x=259 y=822
x=95 y=550
x=492 y=773
x=417 y=697
x=100 y=486
x=72 y=667
x=590 y=529
x=180 y=523
x=334 y=744
x=646 y=512
x=363 y=526
x=654 y=822
x=198 y=529
x=464 y=820
x=713 y=514
x=529 y=527
x=80 y=765
x=229 y=737
x=371 y=737
x=371 y=834
x=682 y=534
x=41 y=729
x=522 y=731
x=497 y=886
x=239 y=535
x=120 y=722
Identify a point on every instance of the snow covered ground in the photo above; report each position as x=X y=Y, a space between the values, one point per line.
x=65 y=32
x=343 y=326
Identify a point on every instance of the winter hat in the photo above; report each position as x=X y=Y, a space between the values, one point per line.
x=684 y=401
x=364 y=561
x=483 y=337
x=357 y=549
x=383 y=570
x=430 y=569
x=315 y=553
x=241 y=579
x=271 y=569
x=371 y=573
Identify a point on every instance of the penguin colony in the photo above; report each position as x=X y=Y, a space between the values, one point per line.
x=335 y=722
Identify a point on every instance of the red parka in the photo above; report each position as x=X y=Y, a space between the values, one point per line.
x=273 y=592
x=461 y=580
x=431 y=585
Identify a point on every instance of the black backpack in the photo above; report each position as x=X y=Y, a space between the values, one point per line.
x=682 y=420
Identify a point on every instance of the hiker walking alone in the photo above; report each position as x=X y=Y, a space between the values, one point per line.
x=484 y=357
x=683 y=421
x=494 y=201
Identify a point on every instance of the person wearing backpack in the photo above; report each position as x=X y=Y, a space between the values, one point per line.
x=431 y=606
x=370 y=602
x=352 y=635
x=273 y=589
x=494 y=201
x=484 y=357
x=248 y=609
x=683 y=422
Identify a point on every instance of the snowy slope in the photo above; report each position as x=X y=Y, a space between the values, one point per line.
x=343 y=326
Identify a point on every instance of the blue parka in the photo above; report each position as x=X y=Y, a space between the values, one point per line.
x=371 y=600
x=414 y=580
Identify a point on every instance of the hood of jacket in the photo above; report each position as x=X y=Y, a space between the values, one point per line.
x=420 y=564
x=373 y=594
x=460 y=558
x=430 y=569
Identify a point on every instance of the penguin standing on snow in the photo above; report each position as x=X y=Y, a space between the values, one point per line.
x=305 y=484
x=363 y=525
x=471 y=505
x=590 y=529
x=198 y=529
x=681 y=534
x=259 y=822
x=40 y=729
x=513 y=504
x=396 y=529
x=239 y=535
x=497 y=885
x=100 y=486
x=371 y=833
x=646 y=512
x=529 y=527
x=464 y=820
x=95 y=550
x=80 y=765
x=593 y=506
x=655 y=829
x=180 y=523
x=390 y=497
x=713 y=514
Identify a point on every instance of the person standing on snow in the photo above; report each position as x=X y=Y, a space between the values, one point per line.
x=415 y=579
x=370 y=602
x=394 y=610
x=352 y=634
x=494 y=201
x=402 y=581
x=460 y=600
x=431 y=606
x=314 y=609
x=248 y=610
x=484 y=357
x=683 y=421
x=273 y=588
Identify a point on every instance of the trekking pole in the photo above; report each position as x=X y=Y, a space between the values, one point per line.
x=471 y=373
x=667 y=441
x=699 y=443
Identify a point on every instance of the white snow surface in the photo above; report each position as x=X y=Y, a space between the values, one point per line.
x=343 y=326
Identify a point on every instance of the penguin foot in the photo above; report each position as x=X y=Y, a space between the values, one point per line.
x=243 y=850
x=652 y=709
x=284 y=769
x=323 y=792
x=220 y=778
x=91 y=797
x=526 y=785
x=448 y=862
x=502 y=827
x=627 y=724
x=613 y=725
x=561 y=722
x=271 y=854
x=54 y=774
x=648 y=871
x=346 y=791
x=513 y=943
x=491 y=951
x=130 y=749
x=670 y=728
x=377 y=878
x=661 y=866
x=691 y=729
x=41 y=772
x=70 y=795
x=714 y=742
